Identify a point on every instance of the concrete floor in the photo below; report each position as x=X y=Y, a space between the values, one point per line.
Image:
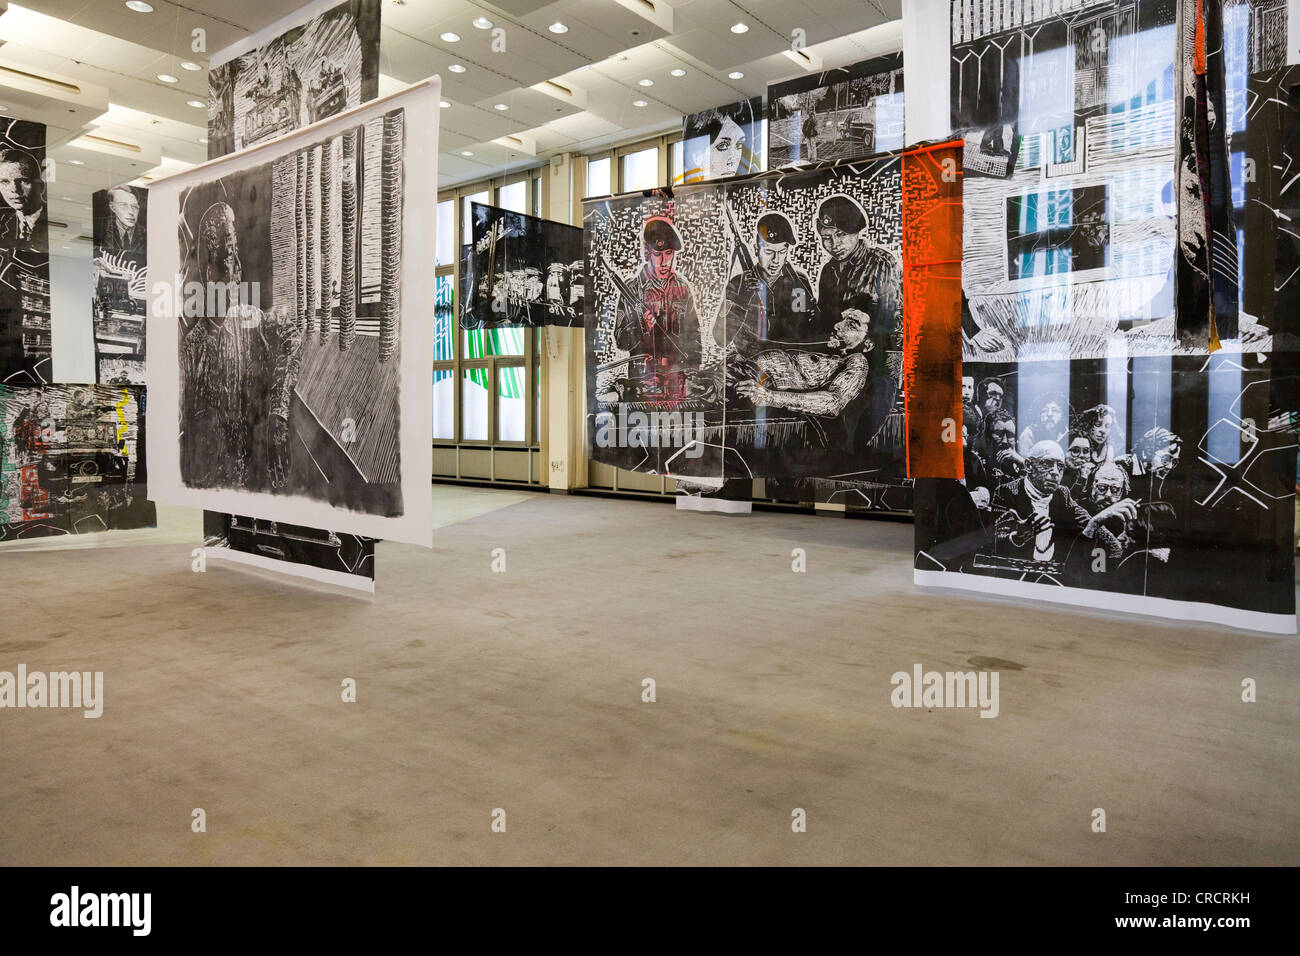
x=522 y=691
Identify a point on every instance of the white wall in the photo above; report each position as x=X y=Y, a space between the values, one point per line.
x=71 y=332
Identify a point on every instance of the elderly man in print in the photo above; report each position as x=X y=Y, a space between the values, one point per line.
x=238 y=370
x=23 y=193
x=1038 y=519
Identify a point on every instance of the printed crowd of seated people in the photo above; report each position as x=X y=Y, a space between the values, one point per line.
x=1057 y=478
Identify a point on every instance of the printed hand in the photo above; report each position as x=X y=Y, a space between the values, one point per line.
x=1008 y=525
x=648 y=320
x=138 y=286
x=753 y=391
x=989 y=341
x=279 y=451
x=1126 y=509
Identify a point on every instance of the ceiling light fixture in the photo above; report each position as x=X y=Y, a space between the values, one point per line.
x=197 y=104
x=739 y=28
x=466 y=152
x=558 y=27
x=736 y=75
x=645 y=82
x=500 y=106
x=456 y=68
x=167 y=78
x=638 y=103
x=190 y=65
x=677 y=72
x=449 y=37
x=483 y=23
x=444 y=104
x=68 y=199
x=203 y=141
x=139 y=6
x=75 y=162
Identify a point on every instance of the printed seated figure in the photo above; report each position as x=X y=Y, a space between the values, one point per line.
x=1039 y=521
x=238 y=370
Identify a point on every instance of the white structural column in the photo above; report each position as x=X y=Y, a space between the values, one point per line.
x=927 y=61
x=564 y=458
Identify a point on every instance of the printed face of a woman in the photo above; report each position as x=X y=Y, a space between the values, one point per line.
x=725 y=150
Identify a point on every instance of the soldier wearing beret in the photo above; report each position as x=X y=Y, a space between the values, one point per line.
x=659 y=322
x=770 y=301
x=856 y=266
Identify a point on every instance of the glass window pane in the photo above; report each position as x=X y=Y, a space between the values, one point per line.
x=474 y=404
x=514 y=197
x=484 y=197
x=445 y=253
x=598 y=177
x=444 y=318
x=480 y=343
x=444 y=405
x=537 y=196
x=641 y=169
x=510 y=403
x=675 y=157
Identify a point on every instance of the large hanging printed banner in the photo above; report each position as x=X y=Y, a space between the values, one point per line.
x=771 y=350
x=121 y=281
x=24 y=255
x=325 y=63
x=1110 y=458
x=71 y=460
x=289 y=377
x=256 y=92
x=723 y=142
x=521 y=271
x=853 y=111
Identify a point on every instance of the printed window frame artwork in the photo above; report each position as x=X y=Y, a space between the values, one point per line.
x=1109 y=461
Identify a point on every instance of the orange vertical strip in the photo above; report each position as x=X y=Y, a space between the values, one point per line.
x=932 y=248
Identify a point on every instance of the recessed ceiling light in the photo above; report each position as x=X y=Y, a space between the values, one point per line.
x=203 y=140
x=558 y=27
x=68 y=199
x=197 y=104
x=739 y=28
x=677 y=72
x=456 y=68
x=190 y=65
x=167 y=78
x=638 y=102
x=67 y=247
x=645 y=82
x=736 y=75
x=500 y=106
x=466 y=152
x=139 y=6
x=483 y=23
x=449 y=37
x=75 y=162
x=444 y=104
